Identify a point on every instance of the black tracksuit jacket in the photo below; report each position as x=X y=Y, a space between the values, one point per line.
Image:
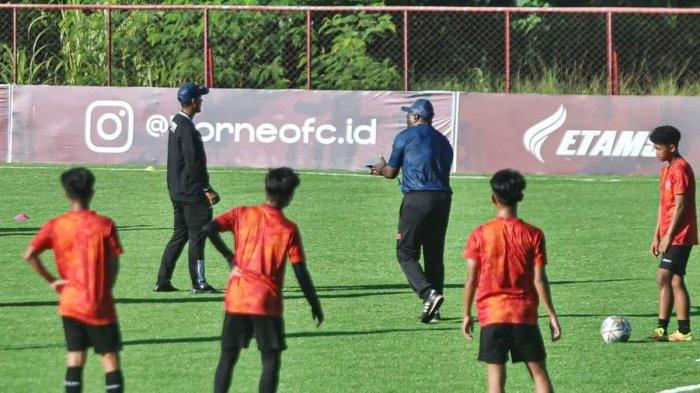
x=187 y=162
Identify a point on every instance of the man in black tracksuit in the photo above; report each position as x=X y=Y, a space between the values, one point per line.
x=426 y=158
x=190 y=192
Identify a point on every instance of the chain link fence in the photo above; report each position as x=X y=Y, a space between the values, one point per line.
x=557 y=51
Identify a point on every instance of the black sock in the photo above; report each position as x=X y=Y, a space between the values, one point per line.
x=663 y=323
x=74 y=380
x=114 y=382
x=224 y=371
x=271 y=362
x=684 y=326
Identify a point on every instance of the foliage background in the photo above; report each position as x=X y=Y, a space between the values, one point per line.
x=360 y=51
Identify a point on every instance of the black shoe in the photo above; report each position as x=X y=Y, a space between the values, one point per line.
x=167 y=287
x=431 y=306
x=204 y=288
x=436 y=318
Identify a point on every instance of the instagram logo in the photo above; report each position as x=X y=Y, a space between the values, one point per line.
x=109 y=126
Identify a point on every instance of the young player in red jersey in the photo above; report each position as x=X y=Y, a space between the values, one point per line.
x=675 y=234
x=264 y=239
x=86 y=249
x=506 y=268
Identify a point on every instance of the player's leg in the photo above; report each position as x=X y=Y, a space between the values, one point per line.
x=271 y=363
x=495 y=342
x=197 y=216
x=114 y=380
x=107 y=342
x=224 y=370
x=75 y=360
x=663 y=280
x=412 y=214
x=496 y=374
x=270 y=336
x=528 y=347
x=538 y=372
x=434 y=244
x=77 y=342
x=173 y=249
x=681 y=298
x=236 y=333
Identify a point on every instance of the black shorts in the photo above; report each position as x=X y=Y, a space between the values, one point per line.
x=675 y=259
x=524 y=342
x=239 y=329
x=80 y=336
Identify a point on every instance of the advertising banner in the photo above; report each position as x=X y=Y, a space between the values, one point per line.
x=246 y=128
x=570 y=134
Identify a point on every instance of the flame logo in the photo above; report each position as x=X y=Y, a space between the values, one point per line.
x=536 y=135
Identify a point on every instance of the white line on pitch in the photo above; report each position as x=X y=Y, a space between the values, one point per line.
x=252 y=170
x=688 y=388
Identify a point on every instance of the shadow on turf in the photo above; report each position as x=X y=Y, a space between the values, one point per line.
x=289 y=335
x=198 y=299
x=332 y=288
x=398 y=289
x=19 y=231
x=185 y=340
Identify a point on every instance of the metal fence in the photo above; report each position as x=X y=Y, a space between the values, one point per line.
x=484 y=49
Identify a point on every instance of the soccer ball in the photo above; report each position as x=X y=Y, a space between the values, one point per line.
x=615 y=328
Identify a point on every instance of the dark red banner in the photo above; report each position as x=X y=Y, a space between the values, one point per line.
x=344 y=129
x=249 y=128
x=570 y=134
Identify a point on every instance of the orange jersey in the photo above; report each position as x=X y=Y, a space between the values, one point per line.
x=83 y=244
x=263 y=239
x=506 y=252
x=678 y=179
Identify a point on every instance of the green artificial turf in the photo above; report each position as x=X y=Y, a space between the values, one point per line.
x=598 y=232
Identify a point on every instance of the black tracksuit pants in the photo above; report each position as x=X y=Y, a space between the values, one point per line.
x=422 y=225
x=190 y=219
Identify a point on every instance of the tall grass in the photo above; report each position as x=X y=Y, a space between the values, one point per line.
x=559 y=81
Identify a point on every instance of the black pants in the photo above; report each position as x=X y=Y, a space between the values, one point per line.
x=190 y=218
x=422 y=224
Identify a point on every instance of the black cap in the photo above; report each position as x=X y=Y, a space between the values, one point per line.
x=189 y=91
x=420 y=106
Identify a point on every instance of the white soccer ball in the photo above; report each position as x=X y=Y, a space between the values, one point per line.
x=615 y=328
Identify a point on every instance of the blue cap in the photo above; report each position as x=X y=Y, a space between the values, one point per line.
x=420 y=106
x=189 y=91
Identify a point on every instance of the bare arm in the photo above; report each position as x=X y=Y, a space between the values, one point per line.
x=32 y=258
x=655 y=239
x=383 y=169
x=542 y=287
x=469 y=293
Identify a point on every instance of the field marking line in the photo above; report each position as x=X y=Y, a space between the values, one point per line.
x=308 y=172
x=688 y=388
